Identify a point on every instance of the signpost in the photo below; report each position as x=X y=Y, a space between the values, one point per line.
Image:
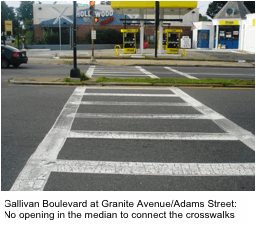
x=75 y=72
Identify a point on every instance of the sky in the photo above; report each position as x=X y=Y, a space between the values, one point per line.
x=202 y=5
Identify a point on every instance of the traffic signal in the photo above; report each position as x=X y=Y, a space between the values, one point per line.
x=92 y=5
x=96 y=19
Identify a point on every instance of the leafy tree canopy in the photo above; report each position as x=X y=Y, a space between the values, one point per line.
x=203 y=18
x=25 y=11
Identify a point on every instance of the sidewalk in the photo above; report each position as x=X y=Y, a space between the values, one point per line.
x=205 y=58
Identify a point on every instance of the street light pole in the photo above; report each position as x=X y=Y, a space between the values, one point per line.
x=156 y=23
x=60 y=33
x=75 y=72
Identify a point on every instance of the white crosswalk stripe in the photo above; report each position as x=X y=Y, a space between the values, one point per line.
x=36 y=172
x=137 y=71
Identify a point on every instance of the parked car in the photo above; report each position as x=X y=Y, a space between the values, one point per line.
x=12 y=56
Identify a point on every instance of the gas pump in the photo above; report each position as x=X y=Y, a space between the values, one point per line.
x=129 y=40
x=173 y=41
x=164 y=40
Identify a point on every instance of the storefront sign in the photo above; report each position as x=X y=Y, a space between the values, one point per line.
x=86 y=13
x=107 y=20
x=229 y=22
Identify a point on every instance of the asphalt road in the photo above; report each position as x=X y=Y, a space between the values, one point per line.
x=87 y=160
x=48 y=70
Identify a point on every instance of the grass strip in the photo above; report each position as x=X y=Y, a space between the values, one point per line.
x=224 y=82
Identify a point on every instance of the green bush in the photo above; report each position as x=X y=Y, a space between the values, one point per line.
x=106 y=36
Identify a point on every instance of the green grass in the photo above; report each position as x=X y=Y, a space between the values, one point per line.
x=174 y=81
x=83 y=78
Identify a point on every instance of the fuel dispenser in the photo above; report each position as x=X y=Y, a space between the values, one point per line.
x=164 y=39
x=129 y=40
x=173 y=41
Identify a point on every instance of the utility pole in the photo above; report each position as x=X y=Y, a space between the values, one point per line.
x=92 y=14
x=156 y=23
x=75 y=72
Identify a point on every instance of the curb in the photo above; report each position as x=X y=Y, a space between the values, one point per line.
x=130 y=84
x=172 y=65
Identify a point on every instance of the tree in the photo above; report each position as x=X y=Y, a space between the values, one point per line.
x=203 y=18
x=7 y=13
x=25 y=11
x=216 y=6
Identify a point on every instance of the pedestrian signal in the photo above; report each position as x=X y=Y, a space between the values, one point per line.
x=96 y=19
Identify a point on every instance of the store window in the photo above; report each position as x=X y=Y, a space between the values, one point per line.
x=222 y=32
x=235 y=32
x=228 y=32
x=205 y=35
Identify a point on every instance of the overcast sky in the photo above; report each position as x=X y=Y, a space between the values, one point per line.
x=202 y=5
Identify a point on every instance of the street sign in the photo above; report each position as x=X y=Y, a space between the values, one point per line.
x=93 y=36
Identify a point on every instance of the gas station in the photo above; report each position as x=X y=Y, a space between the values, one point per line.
x=147 y=11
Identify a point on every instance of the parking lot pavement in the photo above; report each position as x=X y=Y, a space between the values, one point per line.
x=140 y=139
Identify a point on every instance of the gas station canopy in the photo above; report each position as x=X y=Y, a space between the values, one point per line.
x=168 y=7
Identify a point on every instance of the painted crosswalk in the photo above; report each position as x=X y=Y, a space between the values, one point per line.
x=45 y=159
x=120 y=72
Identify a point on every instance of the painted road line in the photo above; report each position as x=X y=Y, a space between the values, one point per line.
x=230 y=127
x=102 y=103
x=164 y=169
x=146 y=72
x=104 y=71
x=145 y=116
x=35 y=174
x=150 y=135
x=131 y=95
x=90 y=71
x=181 y=73
x=223 y=74
x=119 y=75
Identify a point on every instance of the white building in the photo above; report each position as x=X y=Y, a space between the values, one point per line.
x=232 y=28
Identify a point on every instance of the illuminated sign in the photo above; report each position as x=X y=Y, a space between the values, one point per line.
x=229 y=22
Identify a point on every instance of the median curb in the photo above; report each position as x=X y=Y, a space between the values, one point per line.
x=127 y=84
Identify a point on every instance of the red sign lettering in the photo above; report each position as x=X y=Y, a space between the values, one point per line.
x=107 y=20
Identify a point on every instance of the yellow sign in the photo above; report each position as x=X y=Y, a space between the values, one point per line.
x=229 y=22
x=8 y=27
x=129 y=30
x=173 y=30
x=253 y=22
x=151 y=4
